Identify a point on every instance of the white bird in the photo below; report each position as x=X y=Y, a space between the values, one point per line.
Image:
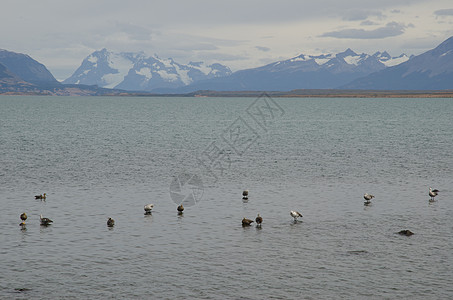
x=148 y=208
x=433 y=193
x=367 y=198
x=295 y=215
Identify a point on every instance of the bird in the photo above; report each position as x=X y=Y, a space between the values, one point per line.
x=180 y=209
x=367 y=198
x=110 y=222
x=42 y=197
x=432 y=193
x=22 y=225
x=295 y=215
x=23 y=217
x=245 y=195
x=246 y=222
x=406 y=232
x=45 y=221
x=148 y=208
x=258 y=220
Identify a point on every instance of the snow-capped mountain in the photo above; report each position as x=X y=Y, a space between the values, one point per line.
x=432 y=70
x=137 y=72
x=301 y=72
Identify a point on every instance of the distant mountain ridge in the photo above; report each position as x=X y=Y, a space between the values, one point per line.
x=429 y=71
x=137 y=72
x=301 y=72
x=432 y=70
x=26 y=68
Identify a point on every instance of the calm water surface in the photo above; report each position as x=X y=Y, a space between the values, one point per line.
x=107 y=157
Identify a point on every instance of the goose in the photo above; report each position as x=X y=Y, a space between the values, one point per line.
x=45 y=221
x=110 y=222
x=42 y=197
x=180 y=209
x=367 y=198
x=295 y=215
x=23 y=217
x=246 y=222
x=245 y=195
x=432 y=193
x=258 y=220
x=148 y=208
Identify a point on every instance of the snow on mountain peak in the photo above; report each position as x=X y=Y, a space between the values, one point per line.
x=136 y=71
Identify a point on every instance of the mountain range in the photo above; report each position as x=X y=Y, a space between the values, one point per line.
x=108 y=73
x=137 y=72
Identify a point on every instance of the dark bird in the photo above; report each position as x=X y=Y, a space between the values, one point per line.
x=148 y=208
x=367 y=198
x=245 y=195
x=180 y=209
x=259 y=220
x=406 y=232
x=23 y=217
x=295 y=215
x=22 y=225
x=42 y=197
x=45 y=221
x=246 y=222
x=110 y=222
x=432 y=193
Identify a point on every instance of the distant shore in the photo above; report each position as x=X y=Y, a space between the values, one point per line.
x=302 y=93
x=332 y=94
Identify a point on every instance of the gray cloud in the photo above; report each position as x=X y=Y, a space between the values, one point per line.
x=368 y=23
x=264 y=49
x=390 y=29
x=444 y=12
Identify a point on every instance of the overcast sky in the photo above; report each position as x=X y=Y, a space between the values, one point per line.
x=237 y=33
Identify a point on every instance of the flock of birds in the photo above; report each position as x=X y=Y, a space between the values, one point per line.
x=259 y=220
x=245 y=222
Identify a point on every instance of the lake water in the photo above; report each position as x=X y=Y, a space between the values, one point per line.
x=101 y=157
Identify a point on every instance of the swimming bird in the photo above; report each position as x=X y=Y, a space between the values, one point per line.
x=246 y=222
x=22 y=225
x=45 y=221
x=148 y=208
x=245 y=195
x=42 y=197
x=432 y=193
x=23 y=217
x=295 y=215
x=110 y=222
x=406 y=232
x=258 y=220
x=180 y=209
x=367 y=198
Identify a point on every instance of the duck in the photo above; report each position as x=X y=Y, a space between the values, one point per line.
x=148 y=208
x=245 y=195
x=246 y=222
x=22 y=225
x=180 y=209
x=258 y=220
x=23 y=217
x=110 y=222
x=45 y=221
x=432 y=193
x=42 y=197
x=406 y=232
x=367 y=198
x=295 y=215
